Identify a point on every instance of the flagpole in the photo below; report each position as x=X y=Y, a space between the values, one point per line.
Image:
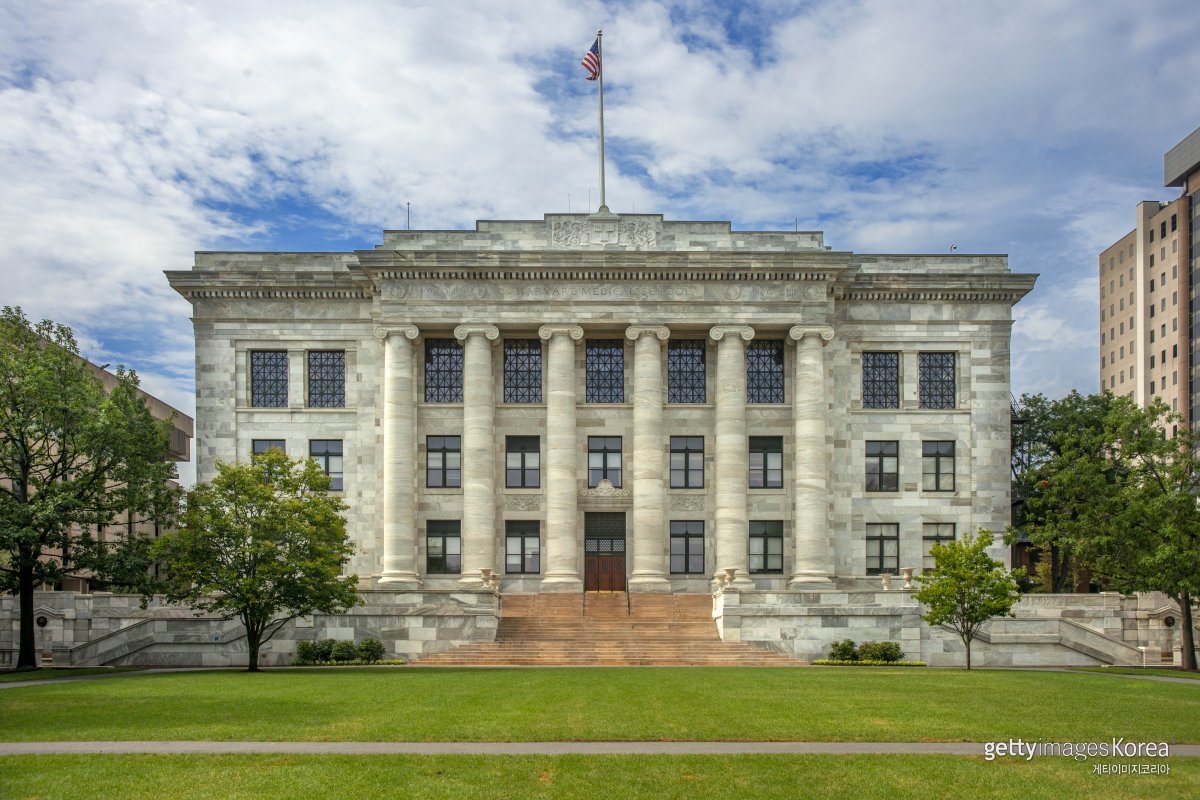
x=600 y=53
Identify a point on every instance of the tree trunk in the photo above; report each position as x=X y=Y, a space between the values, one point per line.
x=253 y=641
x=1187 y=643
x=967 y=643
x=27 y=649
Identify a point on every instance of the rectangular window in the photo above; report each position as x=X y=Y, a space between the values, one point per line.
x=522 y=371
x=766 y=462
x=604 y=366
x=766 y=547
x=522 y=547
x=934 y=533
x=687 y=547
x=443 y=547
x=443 y=462
x=260 y=446
x=883 y=548
x=443 y=371
x=881 y=380
x=687 y=462
x=269 y=378
x=522 y=462
x=328 y=453
x=764 y=371
x=936 y=379
x=327 y=378
x=685 y=371
x=604 y=460
x=937 y=466
x=883 y=466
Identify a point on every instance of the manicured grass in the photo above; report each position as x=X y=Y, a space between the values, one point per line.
x=51 y=672
x=263 y=777
x=402 y=704
x=1165 y=673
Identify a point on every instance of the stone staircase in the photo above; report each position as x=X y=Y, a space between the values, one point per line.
x=645 y=629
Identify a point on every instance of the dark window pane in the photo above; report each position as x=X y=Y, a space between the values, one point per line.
x=881 y=380
x=937 y=380
x=442 y=461
x=327 y=378
x=443 y=371
x=766 y=462
x=685 y=371
x=268 y=378
x=764 y=372
x=605 y=370
x=259 y=446
x=522 y=371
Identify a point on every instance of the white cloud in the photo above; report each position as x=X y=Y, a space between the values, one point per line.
x=136 y=133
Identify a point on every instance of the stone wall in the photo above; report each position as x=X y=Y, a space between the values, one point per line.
x=1045 y=631
x=102 y=628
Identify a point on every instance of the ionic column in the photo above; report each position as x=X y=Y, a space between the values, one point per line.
x=562 y=552
x=732 y=451
x=649 y=527
x=399 y=452
x=478 y=451
x=813 y=558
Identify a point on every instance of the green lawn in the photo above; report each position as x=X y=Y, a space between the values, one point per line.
x=61 y=672
x=827 y=704
x=1165 y=673
x=264 y=777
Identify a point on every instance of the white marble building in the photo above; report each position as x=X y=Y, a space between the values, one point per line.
x=595 y=400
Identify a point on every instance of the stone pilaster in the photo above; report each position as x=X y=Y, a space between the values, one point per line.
x=812 y=555
x=399 y=453
x=561 y=542
x=478 y=451
x=649 y=526
x=732 y=451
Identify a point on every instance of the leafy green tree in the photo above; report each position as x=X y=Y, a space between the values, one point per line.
x=1125 y=496
x=1041 y=429
x=264 y=542
x=72 y=457
x=967 y=588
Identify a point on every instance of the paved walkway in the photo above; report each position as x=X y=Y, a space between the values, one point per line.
x=517 y=748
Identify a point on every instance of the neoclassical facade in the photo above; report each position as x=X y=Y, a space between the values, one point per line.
x=609 y=402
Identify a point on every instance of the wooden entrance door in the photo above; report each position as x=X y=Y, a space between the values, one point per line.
x=604 y=552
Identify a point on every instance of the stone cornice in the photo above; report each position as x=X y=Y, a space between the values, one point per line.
x=384 y=331
x=548 y=331
x=253 y=285
x=718 y=332
x=798 y=332
x=634 y=331
x=491 y=332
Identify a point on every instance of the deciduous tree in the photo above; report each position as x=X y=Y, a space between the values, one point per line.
x=967 y=588
x=264 y=542
x=72 y=457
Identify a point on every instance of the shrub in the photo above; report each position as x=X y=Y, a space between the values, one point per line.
x=306 y=652
x=371 y=650
x=879 y=651
x=827 y=662
x=344 y=651
x=843 y=651
x=324 y=651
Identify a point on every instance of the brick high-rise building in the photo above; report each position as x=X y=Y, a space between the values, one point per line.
x=1146 y=306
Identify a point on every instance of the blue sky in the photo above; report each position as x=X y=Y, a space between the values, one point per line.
x=138 y=132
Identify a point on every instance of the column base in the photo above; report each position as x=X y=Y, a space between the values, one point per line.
x=561 y=583
x=811 y=580
x=399 y=580
x=649 y=582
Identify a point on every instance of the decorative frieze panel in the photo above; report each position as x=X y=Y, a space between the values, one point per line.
x=687 y=502
x=522 y=502
x=638 y=233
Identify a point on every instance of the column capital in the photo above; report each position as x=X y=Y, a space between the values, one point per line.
x=717 y=332
x=491 y=332
x=548 y=331
x=384 y=331
x=800 y=331
x=634 y=331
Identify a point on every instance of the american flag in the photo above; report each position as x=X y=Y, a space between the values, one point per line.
x=591 y=61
